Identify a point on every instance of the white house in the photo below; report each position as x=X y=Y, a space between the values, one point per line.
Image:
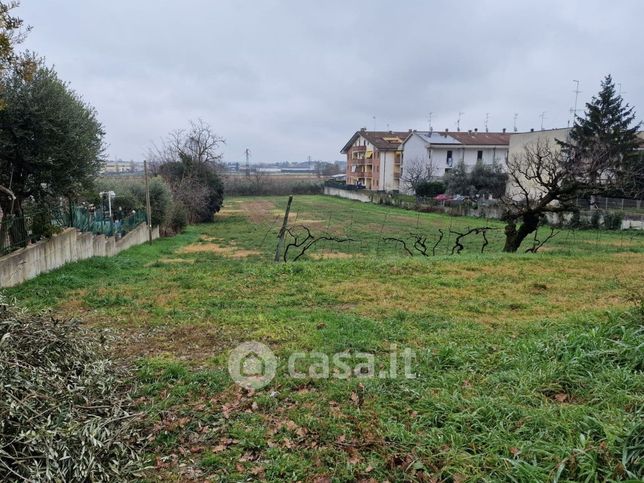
x=444 y=150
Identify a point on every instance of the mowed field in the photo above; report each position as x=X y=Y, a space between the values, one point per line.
x=527 y=367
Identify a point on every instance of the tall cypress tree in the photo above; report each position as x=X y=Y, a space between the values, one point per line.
x=604 y=140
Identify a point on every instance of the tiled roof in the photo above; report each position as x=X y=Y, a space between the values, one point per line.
x=481 y=138
x=436 y=137
x=382 y=140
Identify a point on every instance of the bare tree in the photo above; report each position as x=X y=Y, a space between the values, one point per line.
x=417 y=171
x=198 y=144
x=541 y=180
x=189 y=161
x=598 y=157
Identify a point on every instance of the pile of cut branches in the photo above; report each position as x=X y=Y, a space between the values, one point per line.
x=64 y=412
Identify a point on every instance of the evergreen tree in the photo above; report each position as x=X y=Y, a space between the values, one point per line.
x=602 y=143
x=598 y=158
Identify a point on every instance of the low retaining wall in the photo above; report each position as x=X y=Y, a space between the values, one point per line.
x=351 y=195
x=69 y=246
x=479 y=210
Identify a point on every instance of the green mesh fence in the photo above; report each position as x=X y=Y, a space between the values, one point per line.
x=19 y=231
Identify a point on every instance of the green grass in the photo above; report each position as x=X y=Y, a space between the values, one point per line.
x=529 y=366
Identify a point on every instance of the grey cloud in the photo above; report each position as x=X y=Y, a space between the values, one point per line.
x=295 y=78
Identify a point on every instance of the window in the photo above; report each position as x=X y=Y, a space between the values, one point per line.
x=479 y=155
x=449 y=160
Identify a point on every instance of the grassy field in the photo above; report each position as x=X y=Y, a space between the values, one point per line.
x=528 y=367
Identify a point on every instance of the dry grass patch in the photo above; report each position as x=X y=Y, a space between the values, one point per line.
x=328 y=255
x=171 y=261
x=208 y=244
x=499 y=292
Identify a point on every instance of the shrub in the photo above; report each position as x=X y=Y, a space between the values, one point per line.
x=429 y=189
x=178 y=218
x=613 y=220
x=65 y=416
x=130 y=195
x=160 y=201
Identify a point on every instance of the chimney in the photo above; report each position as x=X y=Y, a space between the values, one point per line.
x=409 y=130
x=363 y=129
x=391 y=132
x=503 y=130
x=476 y=129
x=531 y=129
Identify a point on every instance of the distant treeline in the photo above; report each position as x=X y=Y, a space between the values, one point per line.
x=262 y=184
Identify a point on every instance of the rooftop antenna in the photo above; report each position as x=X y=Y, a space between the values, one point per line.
x=573 y=111
x=516 y=115
x=487 y=118
x=619 y=89
x=247 y=153
x=458 y=121
x=542 y=116
x=429 y=123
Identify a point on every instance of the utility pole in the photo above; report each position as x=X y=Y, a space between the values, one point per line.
x=458 y=121
x=516 y=115
x=148 y=208
x=247 y=153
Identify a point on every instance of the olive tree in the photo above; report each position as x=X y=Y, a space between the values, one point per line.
x=51 y=142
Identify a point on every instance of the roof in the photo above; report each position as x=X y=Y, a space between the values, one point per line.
x=382 y=140
x=482 y=138
x=435 y=137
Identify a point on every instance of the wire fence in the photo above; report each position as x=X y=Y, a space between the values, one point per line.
x=320 y=228
x=34 y=225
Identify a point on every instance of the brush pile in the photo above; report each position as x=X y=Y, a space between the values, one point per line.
x=64 y=411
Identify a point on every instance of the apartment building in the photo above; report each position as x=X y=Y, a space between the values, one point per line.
x=377 y=159
x=374 y=159
x=443 y=150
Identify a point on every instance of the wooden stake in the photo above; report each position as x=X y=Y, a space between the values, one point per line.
x=282 y=233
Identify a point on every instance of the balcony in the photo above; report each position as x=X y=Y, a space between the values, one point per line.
x=359 y=149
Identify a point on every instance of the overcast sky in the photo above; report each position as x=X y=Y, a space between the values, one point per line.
x=289 y=79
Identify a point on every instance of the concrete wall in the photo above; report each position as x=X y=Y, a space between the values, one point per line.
x=69 y=246
x=351 y=195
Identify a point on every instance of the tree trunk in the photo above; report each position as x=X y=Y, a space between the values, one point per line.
x=514 y=237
